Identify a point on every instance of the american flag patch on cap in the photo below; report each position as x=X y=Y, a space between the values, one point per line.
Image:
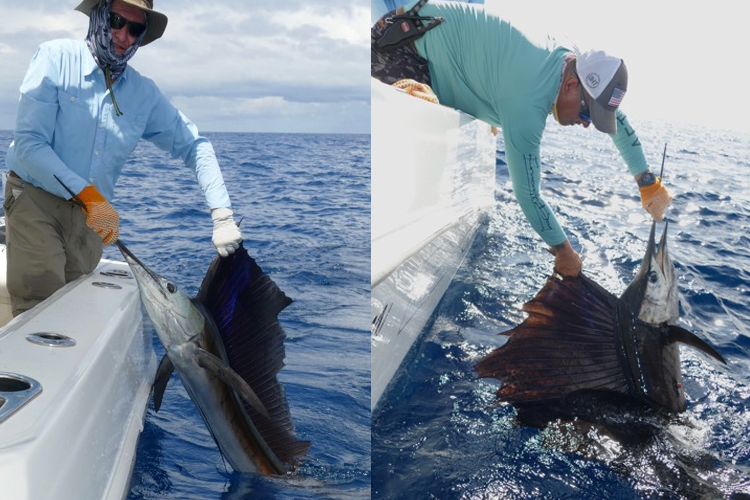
x=616 y=99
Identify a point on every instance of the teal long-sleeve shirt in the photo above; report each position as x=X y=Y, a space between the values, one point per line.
x=66 y=126
x=484 y=66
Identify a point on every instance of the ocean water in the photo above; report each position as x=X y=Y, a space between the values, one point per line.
x=304 y=201
x=439 y=434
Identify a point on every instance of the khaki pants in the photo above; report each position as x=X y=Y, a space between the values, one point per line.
x=48 y=243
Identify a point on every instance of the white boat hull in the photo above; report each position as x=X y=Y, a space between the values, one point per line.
x=433 y=173
x=77 y=437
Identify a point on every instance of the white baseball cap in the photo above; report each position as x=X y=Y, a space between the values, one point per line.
x=605 y=79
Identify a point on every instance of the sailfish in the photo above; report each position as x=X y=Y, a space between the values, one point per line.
x=582 y=349
x=227 y=347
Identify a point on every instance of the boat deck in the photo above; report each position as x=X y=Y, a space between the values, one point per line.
x=75 y=376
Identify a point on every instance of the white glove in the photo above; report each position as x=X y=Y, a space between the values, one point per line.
x=227 y=236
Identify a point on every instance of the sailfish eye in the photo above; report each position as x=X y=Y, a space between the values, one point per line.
x=171 y=288
x=652 y=277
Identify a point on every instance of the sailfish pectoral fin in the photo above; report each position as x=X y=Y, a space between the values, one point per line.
x=216 y=366
x=677 y=334
x=163 y=373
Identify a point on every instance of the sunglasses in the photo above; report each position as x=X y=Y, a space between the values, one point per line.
x=116 y=22
x=584 y=112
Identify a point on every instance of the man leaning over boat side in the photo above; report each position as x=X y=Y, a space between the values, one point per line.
x=482 y=65
x=81 y=113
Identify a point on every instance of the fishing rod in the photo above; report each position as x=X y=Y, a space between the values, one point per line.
x=76 y=199
x=80 y=202
x=663 y=157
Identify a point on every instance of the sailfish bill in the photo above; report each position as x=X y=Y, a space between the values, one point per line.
x=227 y=347
x=580 y=344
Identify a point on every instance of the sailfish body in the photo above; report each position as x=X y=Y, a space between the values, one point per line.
x=582 y=347
x=227 y=347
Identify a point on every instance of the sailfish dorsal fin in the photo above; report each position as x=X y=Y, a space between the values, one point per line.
x=244 y=303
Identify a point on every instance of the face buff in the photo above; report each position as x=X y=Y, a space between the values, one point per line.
x=99 y=41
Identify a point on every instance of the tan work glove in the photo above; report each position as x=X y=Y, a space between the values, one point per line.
x=421 y=90
x=101 y=217
x=655 y=199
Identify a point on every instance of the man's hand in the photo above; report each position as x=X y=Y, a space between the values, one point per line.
x=655 y=199
x=101 y=217
x=227 y=236
x=567 y=261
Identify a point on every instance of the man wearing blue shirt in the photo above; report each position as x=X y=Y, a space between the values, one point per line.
x=81 y=113
x=478 y=63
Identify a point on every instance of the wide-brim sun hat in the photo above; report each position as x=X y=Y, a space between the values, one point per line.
x=157 y=22
x=605 y=79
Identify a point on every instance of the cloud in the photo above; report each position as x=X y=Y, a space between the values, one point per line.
x=274 y=114
x=282 y=58
x=336 y=25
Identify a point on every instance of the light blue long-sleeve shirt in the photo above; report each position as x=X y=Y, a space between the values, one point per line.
x=486 y=67
x=67 y=127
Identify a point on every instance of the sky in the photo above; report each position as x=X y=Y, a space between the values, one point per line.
x=229 y=65
x=300 y=66
x=687 y=61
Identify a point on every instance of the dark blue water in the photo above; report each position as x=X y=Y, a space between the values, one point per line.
x=438 y=435
x=304 y=201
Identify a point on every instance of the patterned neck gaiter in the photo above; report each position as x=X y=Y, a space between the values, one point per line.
x=99 y=42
